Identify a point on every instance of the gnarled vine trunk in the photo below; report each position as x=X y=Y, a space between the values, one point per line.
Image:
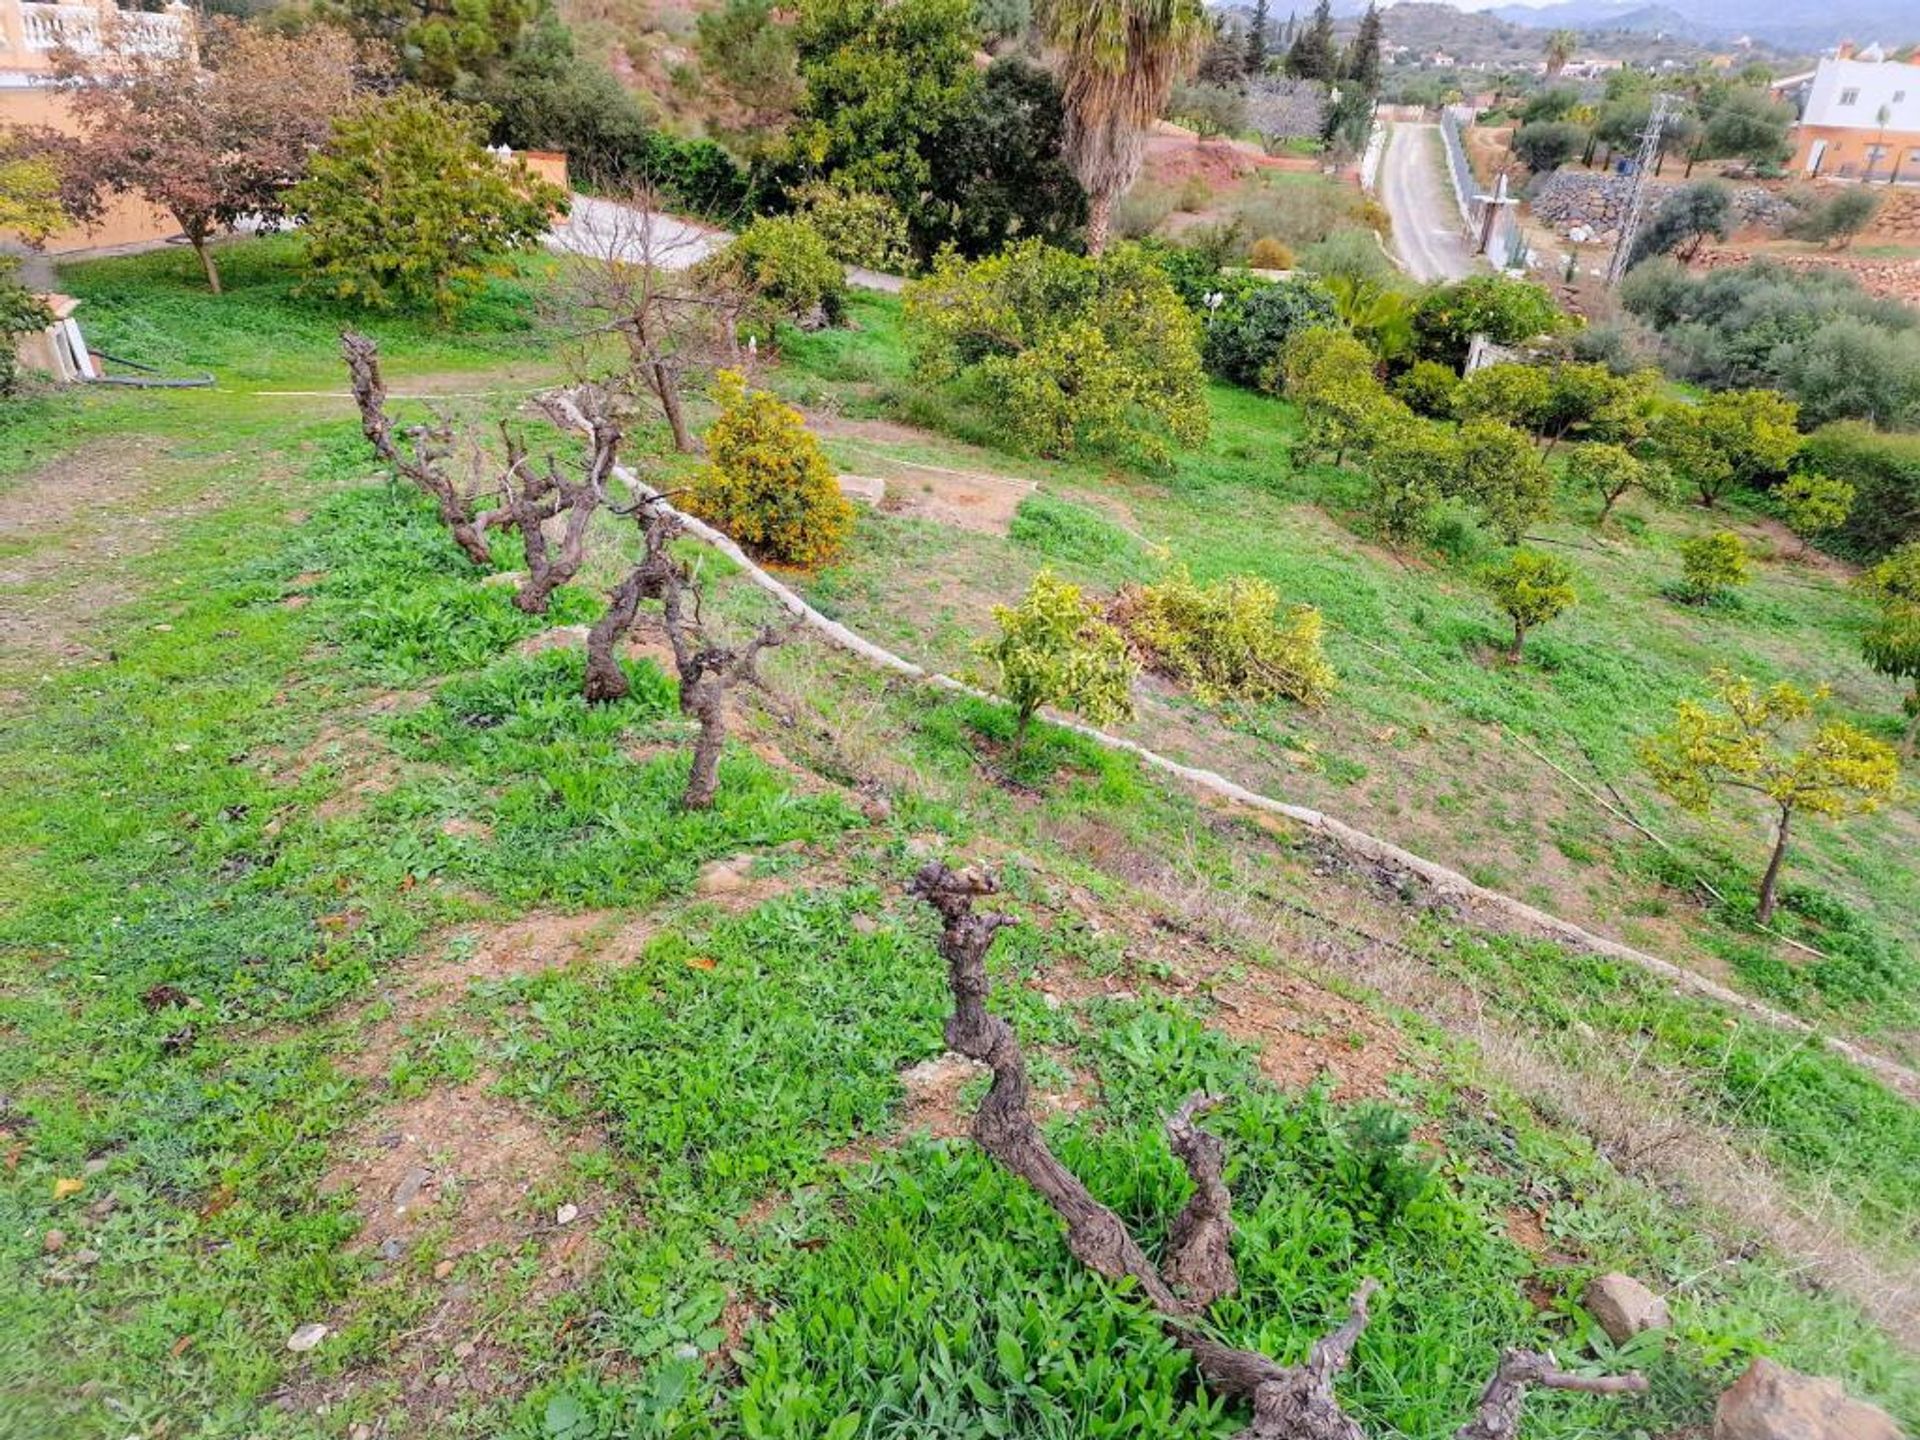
x=1289 y=1402
x=431 y=444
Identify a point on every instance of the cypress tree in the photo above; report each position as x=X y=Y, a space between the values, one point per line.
x=1362 y=65
x=1313 y=56
x=1257 y=40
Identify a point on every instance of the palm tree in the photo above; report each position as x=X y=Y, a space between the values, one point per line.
x=1560 y=47
x=1119 y=61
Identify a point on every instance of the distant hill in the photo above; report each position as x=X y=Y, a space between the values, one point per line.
x=1791 y=24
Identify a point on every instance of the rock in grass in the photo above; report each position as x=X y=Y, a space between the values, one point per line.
x=1623 y=1307
x=1771 y=1402
x=723 y=877
x=306 y=1337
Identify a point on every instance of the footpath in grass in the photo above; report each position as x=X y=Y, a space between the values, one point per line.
x=312 y=846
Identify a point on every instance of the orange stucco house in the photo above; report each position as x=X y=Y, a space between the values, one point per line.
x=1860 y=119
x=29 y=34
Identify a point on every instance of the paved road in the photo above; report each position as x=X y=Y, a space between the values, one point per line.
x=1426 y=221
x=611 y=231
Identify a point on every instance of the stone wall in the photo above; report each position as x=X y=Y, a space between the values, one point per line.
x=1570 y=199
x=1890 y=279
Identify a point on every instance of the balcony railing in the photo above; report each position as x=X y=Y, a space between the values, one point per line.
x=45 y=28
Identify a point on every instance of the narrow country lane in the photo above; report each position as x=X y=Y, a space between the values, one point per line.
x=1426 y=221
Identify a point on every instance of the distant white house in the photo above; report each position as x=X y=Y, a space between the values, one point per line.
x=1861 y=118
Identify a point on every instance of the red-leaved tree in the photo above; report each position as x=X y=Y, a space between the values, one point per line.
x=211 y=134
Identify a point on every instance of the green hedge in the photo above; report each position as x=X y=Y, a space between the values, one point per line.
x=1884 y=471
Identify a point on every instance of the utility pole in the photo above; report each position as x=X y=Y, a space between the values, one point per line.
x=1643 y=167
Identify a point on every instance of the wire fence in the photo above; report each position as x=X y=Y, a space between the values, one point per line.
x=1504 y=246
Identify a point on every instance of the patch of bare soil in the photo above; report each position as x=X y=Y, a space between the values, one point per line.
x=80 y=516
x=465 y=1173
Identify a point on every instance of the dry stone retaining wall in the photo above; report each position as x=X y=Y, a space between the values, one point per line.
x=1568 y=199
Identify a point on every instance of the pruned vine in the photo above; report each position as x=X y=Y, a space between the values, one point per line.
x=1289 y=1402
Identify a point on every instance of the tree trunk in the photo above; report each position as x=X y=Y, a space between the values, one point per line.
x=201 y=248
x=605 y=679
x=1913 y=725
x=1771 y=880
x=1607 y=504
x=1022 y=723
x=667 y=386
x=1099 y=221
x=1519 y=644
x=706 y=701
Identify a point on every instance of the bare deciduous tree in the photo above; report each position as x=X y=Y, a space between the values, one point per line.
x=628 y=273
x=1290 y=1402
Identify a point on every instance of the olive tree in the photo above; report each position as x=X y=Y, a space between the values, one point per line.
x=1055 y=648
x=1766 y=743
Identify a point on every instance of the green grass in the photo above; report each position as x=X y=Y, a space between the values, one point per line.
x=229 y=825
x=1431 y=740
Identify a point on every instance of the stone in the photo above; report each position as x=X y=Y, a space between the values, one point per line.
x=566 y=1214
x=464 y=1350
x=722 y=877
x=306 y=1337
x=54 y=1241
x=409 y=1188
x=443 y=1270
x=1771 y=1402
x=878 y=809
x=1624 y=1307
x=865 y=925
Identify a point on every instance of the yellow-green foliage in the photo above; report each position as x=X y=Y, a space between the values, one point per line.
x=1532 y=588
x=1412 y=465
x=1055 y=648
x=1428 y=387
x=1267 y=253
x=1747 y=744
x=786 y=265
x=857 y=226
x=1815 y=504
x=1514 y=394
x=1713 y=564
x=1503 y=477
x=1892 y=643
x=768 y=483
x=1233 y=639
x=1070 y=352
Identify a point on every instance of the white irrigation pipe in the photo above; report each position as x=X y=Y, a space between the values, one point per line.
x=1446 y=884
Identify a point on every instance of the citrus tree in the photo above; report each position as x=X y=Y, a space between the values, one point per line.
x=1892 y=642
x=1814 y=504
x=1412 y=465
x=406 y=207
x=1610 y=471
x=767 y=482
x=1532 y=588
x=1070 y=352
x=1512 y=394
x=1712 y=566
x=1503 y=477
x=1055 y=648
x=1769 y=743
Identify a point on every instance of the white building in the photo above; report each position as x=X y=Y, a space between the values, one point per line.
x=1861 y=119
